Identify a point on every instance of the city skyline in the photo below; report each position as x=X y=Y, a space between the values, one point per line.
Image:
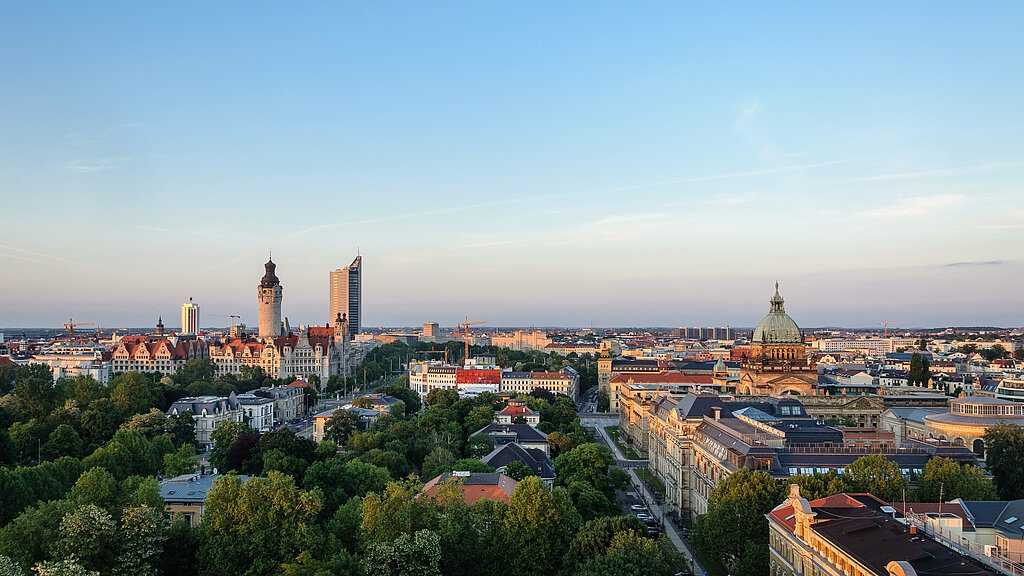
x=567 y=165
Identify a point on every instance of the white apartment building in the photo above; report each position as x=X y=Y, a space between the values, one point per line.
x=877 y=346
x=257 y=412
x=209 y=413
x=71 y=359
x=190 y=318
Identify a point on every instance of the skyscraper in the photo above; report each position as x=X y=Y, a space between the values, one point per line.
x=189 y=318
x=347 y=294
x=269 y=292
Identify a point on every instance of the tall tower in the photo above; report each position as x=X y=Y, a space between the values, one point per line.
x=189 y=318
x=270 y=302
x=347 y=294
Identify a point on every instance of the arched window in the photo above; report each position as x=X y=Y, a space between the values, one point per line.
x=979 y=447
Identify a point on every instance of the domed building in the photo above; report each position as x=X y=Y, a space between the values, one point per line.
x=776 y=360
x=777 y=338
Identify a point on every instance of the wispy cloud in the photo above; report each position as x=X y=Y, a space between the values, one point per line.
x=629 y=219
x=79 y=139
x=916 y=206
x=944 y=172
x=728 y=176
x=96 y=165
x=33 y=256
x=986 y=263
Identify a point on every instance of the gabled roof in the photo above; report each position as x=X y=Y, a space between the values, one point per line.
x=534 y=458
x=475 y=486
x=521 y=432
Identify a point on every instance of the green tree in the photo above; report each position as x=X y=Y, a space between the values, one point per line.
x=1004 y=452
x=735 y=517
x=131 y=394
x=603 y=401
x=437 y=462
x=947 y=478
x=142 y=533
x=9 y=567
x=518 y=470
x=341 y=425
x=479 y=417
x=181 y=461
x=442 y=396
x=815 y=486
x=66 y=567
x=63 y=441
x=877 y=475
x=1018 y=354
x=96 y=487
x=540 y=524
x=32 y=536
x=479 y=445
x=224 y=438
x=393 y=512
x=255 y=526
x=416 y=554
x=150 y=424
x=89 y=535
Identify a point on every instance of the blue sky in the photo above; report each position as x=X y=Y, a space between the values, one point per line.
x=522 y=163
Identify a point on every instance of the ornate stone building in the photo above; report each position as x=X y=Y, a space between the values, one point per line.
x=776 y=361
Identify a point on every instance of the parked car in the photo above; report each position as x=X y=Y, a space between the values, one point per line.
x=644 y=517
x=638 y=508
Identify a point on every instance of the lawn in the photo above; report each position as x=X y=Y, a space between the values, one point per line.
x=613 y=431
x=646 y=475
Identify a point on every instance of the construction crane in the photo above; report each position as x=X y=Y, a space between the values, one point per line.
x=445 y=352
x=465 y=333
x=885 y=324
x=232 y=316
x=70 y=325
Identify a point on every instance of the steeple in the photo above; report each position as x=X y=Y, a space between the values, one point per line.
x=777 y=301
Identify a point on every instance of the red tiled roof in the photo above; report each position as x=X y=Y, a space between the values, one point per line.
x=5 y=360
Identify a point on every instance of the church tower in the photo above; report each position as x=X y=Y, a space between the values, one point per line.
x=270 y=302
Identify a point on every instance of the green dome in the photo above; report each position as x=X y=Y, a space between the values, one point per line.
x=777 y=327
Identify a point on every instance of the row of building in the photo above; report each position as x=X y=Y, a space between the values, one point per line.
x=472 y=380
x=262 y=409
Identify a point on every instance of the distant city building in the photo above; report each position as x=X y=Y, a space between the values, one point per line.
x=71 y=359
x=873 y=346
x=189 y=319
x=257 y=412
x=703 y=333
x=269 y=293
x=319 y=350
x=776 y=360
x=346 y=294
x=431 y=330
x=209 y=412
x=522 y=340
x=566 y=382
x=165 y=355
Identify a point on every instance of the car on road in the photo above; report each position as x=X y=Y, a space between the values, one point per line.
x=638 y=508
x=644 y=517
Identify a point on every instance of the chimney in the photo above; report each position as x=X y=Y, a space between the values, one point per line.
x=716 y=412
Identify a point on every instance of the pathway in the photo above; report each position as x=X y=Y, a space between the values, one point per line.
x=656 y=509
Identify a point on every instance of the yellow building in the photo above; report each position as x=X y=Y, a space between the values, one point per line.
x=854 y=535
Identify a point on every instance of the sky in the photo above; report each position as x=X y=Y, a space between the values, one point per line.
x=526 y=163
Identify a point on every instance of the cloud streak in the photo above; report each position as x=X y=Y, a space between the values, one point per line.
x=96 y=165
x=23 y=254
x=915 y=206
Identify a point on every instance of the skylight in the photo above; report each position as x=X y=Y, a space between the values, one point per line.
x=1010 y=520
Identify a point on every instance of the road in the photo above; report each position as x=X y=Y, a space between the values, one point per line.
x=598 y=422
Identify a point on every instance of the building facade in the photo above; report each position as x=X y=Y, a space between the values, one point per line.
x=346 y=294
x=189 y=319
x=167 y=355
x=209 y=412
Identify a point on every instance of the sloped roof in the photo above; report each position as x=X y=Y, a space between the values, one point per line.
x=534 y=458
